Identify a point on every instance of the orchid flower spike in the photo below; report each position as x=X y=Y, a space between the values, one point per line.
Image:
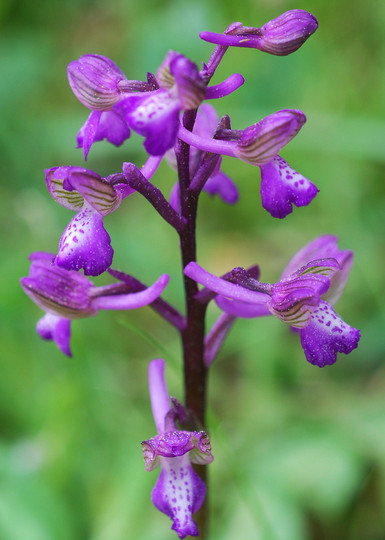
x=281 y=36
x=299 y=299
x=85 y=243
x=179 y=492
x=65 y=295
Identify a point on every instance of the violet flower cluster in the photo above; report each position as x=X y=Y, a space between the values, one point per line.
x=170 y=112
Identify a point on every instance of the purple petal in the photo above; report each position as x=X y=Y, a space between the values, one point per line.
x=282 y=186
x=262 y=141
x=228 y=86
x=179 y=492
x=132 y=300
x=175 y=198
x=96 y=191
x=324 y=267
x=242 y=309
x=169 y=444
x=60 y=292
x=295 y=299
x=215 y=337
x=156 y=117
x=160 y=403
x=206 y=121
x=163 y=74
x=61 y=191
x=223 y=287
x=100 y=125
x=85 y=244
x=177 y=443
x=51 y=327
x=113 y=127
x=222 y=185
x=189 y=83
x=87 y=133
x=326 y=335
x=320 y=248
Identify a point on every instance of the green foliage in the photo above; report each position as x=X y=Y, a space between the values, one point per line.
x=299 y=452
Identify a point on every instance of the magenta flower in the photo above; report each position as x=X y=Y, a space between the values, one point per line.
x=85 y=243
x=156 y=115
x=65 y=295
x=179 y=492
x=99 y=84
x=298 y=299
x=281 y=36
x=258 y=145
x=150 y=108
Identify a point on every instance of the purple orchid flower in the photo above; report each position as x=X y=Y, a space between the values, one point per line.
x=298 y=299
x=156 y=116
x=99 y=84
x=65 y=295
x=281 y=36
x=179 y=492
x=85 y=243
x=218 y=182
x=258 y=145
x=181 y=88
x=150 y=108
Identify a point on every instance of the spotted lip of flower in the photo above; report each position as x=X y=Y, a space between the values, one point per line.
x=156 y=116
x=179 y=492
x=281 y=36
x=85 y=243
x=65 y=295
x=298 y=299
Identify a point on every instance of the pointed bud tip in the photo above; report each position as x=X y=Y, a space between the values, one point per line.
x=285 y=34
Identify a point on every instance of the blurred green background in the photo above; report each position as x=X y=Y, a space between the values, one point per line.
x=299 y=451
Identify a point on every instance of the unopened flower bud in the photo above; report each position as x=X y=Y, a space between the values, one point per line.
x=281 y=36
x=285 y=34
x=94 y=80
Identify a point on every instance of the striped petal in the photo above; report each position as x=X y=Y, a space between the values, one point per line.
x=95 y=190
x=55 y=179
x=261 y=142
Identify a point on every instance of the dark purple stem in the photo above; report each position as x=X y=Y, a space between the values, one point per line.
x=137 y=181
x=195 y=373
x=163 y=308
x=216 y=57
